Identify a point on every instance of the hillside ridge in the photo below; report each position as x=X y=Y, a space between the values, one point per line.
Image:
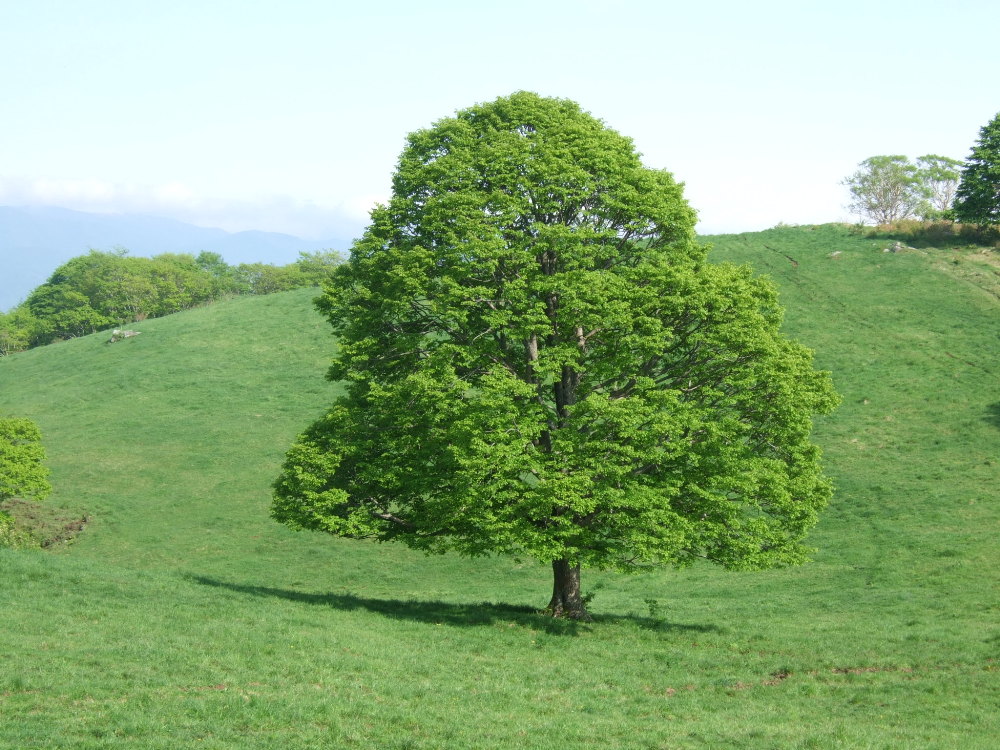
x=183 y=613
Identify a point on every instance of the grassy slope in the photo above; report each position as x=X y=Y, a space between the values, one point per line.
x=184 y=617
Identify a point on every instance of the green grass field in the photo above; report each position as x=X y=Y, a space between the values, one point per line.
x=182 y=616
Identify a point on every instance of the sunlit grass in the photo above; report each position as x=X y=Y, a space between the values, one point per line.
x=184 y=617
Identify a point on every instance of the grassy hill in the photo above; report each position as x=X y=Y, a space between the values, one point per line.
x=183 y=617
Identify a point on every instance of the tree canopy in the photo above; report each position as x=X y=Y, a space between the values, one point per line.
x=978 y=198
x=939 y=176
x=885 y=189
x=101 y=290
x=539 y=360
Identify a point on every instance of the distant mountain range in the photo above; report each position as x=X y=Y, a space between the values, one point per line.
x=35 y=240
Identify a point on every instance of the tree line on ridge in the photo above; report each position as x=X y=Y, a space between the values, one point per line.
x=886 y=189
x=102 y=290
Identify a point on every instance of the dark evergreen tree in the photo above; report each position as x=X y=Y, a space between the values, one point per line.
x=978 y=198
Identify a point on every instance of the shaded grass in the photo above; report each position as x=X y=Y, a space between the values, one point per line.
x=935 y=234
x=184 y=617
x=471 y=614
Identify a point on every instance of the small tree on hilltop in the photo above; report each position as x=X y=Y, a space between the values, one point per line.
x=886 y=189
x=978 y=198
x=538 y=359
x=939 y=176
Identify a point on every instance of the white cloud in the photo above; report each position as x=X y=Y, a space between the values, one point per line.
x=85 y=194
x=360 y=207
x=179 y=201
x=174 y=192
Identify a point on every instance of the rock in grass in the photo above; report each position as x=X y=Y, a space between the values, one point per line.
x=118 y=334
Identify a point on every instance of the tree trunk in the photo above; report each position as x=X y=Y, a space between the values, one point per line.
x=566 y=599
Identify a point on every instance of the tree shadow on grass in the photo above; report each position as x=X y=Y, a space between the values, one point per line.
x=993 y=414
x=448 y=613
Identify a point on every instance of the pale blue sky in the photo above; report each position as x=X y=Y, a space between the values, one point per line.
x=289 y=116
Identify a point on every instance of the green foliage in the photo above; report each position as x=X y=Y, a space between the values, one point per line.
x=22 y=473
x=178 y=282
x=885 y=189
x=539 y=360
x=18 y=329
x=263 y=278
x=63 y=312
x=101 y=290
x=939 y=176
x=890 y=189
x=978 y=198
x=12 y=537
x=224 y=278
x=310 y=269
x=183 y=617
x=315 y=268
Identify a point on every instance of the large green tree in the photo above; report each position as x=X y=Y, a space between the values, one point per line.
x=539 y=360
x=978 y=198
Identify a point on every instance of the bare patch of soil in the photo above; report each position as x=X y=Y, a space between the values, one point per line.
x=47 y=526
